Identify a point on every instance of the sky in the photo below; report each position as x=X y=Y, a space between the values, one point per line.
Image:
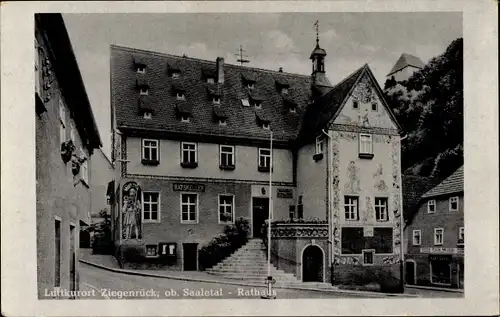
x=270 y=40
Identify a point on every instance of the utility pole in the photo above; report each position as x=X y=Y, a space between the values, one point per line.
x=241 y=56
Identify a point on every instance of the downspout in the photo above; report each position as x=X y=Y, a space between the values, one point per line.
x=402 y=222
x=330 y=205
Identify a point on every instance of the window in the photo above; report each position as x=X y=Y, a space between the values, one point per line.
x=141 y=69
x=265 y=126
x=461 y=236
x=189 y=208
x=355 y=104
x=222 y=122
x=454 y=203
x=438 y=236
x=417 y=237
x=151 y=250
x=381 y=241
x=216 y=100
x=147 y=115
x=210 y=80
x=352 y=240
x=365 y=144
x=181 y=96
x=368 y=256
x=227 y=155
x=257 y=104
x=381 y=213
x=62 y=121
x=226 y=209
x=150 y=150
x=72 y=133
x=431 y=206
x=291 y=211
x=284 y=91
x=188 y=152
x=250 y=86
x=245 y=103
x=84 y=171
x=57 y=259
x=293 y=110
x=374 y=107
x=184 y=118
x=176 y=75
x=300 y=207
x=264 y=159
x=144 y=91
x=151 y=206
x=319 y=145
x=351 y=208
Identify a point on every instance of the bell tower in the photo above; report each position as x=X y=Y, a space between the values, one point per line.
x=318 y=63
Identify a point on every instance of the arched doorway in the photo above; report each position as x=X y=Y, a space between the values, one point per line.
x=411 y=272
x=312 y=264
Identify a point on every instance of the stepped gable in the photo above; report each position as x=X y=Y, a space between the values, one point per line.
x=241 y=120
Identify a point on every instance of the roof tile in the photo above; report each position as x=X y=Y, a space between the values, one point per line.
x=451 y=185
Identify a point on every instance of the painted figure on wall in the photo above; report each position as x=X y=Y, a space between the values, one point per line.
x=352 y=186
x=131 y=211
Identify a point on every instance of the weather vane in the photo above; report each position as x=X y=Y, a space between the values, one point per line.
x=316 y=26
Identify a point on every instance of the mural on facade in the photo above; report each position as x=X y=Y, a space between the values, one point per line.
x=378 y=177
x=364 y=91
x=131 y=211
x=396 y=187
x=336 y=194
x=352 y=185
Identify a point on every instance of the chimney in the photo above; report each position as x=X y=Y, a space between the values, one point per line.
x=281 y=69
x=220 y=70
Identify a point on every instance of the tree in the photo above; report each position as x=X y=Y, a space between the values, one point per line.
x=102 y=234
x=429 y=105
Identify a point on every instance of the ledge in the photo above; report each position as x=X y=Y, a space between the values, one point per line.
x=368 y=156
x=227 y=167
x=263 y=169
x=150 y=162
x=189 y=164
x=318 y=157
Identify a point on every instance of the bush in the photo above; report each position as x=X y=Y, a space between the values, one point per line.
x=223 y=245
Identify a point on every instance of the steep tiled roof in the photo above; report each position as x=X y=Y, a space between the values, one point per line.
x=406 y=60
x=241 y=121
x=413 y=188
x=451 y=185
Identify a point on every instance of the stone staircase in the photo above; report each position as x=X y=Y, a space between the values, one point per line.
x=249 y=264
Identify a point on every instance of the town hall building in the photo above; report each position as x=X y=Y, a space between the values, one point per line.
x=191 y=140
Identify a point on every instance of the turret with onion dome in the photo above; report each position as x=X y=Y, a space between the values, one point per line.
x=320 y=82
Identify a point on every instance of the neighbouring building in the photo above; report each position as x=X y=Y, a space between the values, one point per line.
x=192 y=142
x=436 y=236
x=66 y=136
x=405 y=67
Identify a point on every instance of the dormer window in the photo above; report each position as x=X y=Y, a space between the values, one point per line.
x=284 y=91
x=216 y=100
x=141 y=69
x=210 y=80
x=144 y=91
x=181 y=96
x=293 y=110
x=148 y=115
x=265 y=126
x=257 y=104
x=222 y=122
x=176 y=75
x=250 y=85
x=185 y=118
x=245 y=103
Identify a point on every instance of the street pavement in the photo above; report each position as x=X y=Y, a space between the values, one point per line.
x=111 y=285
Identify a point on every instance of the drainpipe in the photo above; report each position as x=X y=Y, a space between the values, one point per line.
x=330 y=205
x=401 y=221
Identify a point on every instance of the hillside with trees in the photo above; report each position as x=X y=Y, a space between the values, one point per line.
x=429 y=105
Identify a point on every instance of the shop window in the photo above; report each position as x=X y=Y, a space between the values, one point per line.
x=189 y=208
x=431 y=206
x=381 y=241
x=352 y=240
x=226 y=209
x=381 y=213
x=453 y=203
x=151 y=206
x=440 y=266
x=351 y=208
x=151 y=251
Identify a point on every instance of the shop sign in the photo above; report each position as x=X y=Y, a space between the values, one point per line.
x=442 y=250
x=180 y=187
x=439 y=257
x=285 y=193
